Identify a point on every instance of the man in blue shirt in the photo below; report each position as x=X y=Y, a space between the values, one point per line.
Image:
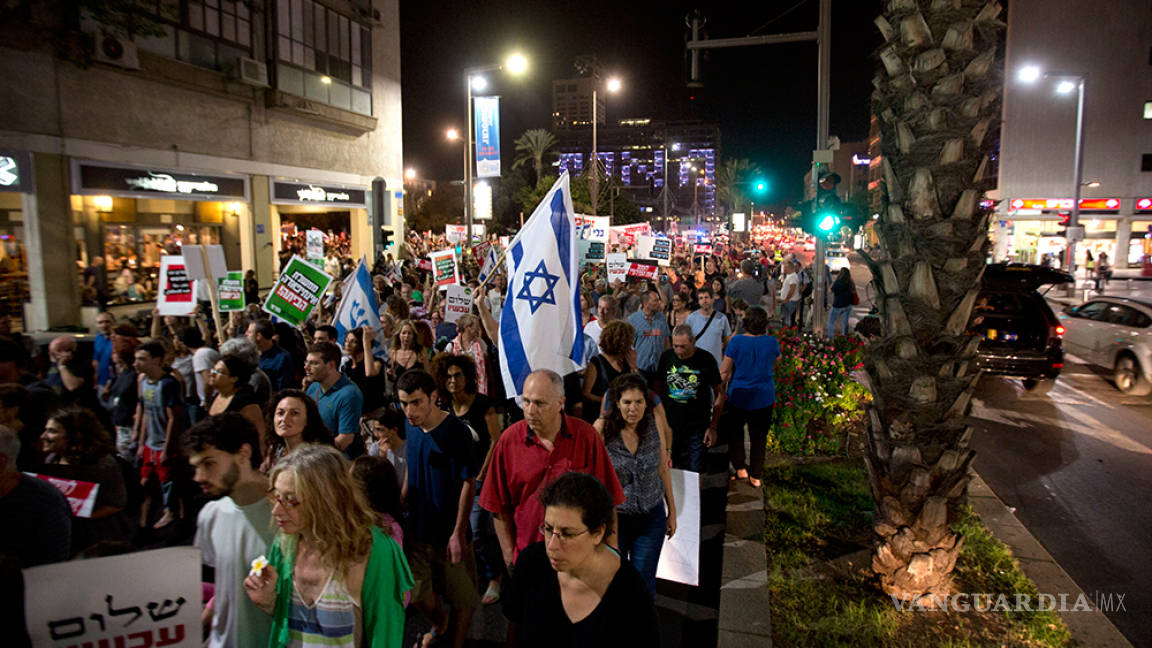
x=710 y=327
x=338 y=398
x=652 y=335
x=275 y=361
x=102 y=350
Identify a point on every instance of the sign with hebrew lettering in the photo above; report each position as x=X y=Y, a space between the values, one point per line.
x=147 y=598
x=177 y=291
x=297 y=291
x=81 y=495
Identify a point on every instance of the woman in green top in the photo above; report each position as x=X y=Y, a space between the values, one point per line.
x=333 y=578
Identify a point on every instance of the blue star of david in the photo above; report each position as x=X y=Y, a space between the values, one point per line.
x=549 y=296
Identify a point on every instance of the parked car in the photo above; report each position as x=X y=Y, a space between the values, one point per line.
x=1022 y=337
x=1115 y=333
x=836 y=259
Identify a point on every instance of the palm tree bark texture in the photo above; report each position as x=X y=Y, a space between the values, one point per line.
x=937 y=97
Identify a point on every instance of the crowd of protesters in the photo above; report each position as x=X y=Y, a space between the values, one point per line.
x=386 y=475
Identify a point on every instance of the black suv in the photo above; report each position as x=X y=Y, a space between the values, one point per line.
x=1021 y=336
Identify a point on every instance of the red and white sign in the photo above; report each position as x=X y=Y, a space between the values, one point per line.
x=617 y=267
x=177 y=292
x=444 y=271
x=643 y=270
x=457 y=302
x=81 y=494
x=424 y=264
x=703 y=249
x=1143 y=203
x=1107 y=204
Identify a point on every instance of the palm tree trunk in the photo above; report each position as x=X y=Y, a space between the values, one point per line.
x=937 y=100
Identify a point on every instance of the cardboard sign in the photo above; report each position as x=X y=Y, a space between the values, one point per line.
x=81 y=495
x=457 y=302
x=591 y=251
x=314 y=245
x=176 y=294
x=300 y=287
x=617 y=267
x=680 y=557
x=217 y=266
x=444 y=268
x=231 y=291
x=193 y=262
x=145 y=598
x=643 y=271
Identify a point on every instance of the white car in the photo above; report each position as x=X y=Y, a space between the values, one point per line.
x=836 y=260
x=1115 y=333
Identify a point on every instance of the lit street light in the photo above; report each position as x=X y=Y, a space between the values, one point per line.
x=410 y=173
x=1066 y=83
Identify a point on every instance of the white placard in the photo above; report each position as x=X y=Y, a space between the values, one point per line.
x=176 y=294
x=314 y=244
x=454 y=234
x=617 y=267
x=217 y=266
x=680 y=557
x=654 y=248
x=457 y=302
x=193 y=262
x=146 y=598
x=592 y=228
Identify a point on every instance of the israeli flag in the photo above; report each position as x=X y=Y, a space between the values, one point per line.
x=489 y=264
x=358 y=305
x=540 y=325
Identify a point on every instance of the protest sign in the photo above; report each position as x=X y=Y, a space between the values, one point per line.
x=444 y=268
x=176 y=294
x=231 y=289
x=591 y=251
x=654 y=248
x=314 y=245
x=193 y=262
x=145 y=598
x=81 y=495
x=703 y=248
x=297 y=291
x=592 y=228
x=627 y=234
x=617 y=267
x=217 y=266
x=457 y=302
x=454 y=234
x=642 y=270
x=424 y=264
x=680 y=557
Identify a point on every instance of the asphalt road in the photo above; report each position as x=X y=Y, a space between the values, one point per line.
x=1075 y=465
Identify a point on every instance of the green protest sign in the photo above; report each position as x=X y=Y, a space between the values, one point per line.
x=231 y=291
x=296 y=293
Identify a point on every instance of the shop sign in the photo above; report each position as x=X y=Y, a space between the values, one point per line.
x=1107 y=204
x=298 y=290
x=308 y=193
x=231 y=290
x=1143 y=204
x=15 y=171
x=135 y=182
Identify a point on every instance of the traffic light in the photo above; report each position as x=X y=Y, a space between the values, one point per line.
x=1064 y=219
x=761 y=186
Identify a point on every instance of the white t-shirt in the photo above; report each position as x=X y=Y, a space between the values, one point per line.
x=203 y=360
x=791 y=280
x=230 y=537
x=592 y=329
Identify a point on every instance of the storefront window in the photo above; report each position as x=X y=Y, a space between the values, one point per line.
x=13 y=262
x=133 y=254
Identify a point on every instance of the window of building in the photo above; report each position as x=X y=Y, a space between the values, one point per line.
x=208 y=33
x=323 y=55
x=1146 y=162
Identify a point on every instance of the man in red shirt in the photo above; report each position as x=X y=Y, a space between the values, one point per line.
x=533 y=453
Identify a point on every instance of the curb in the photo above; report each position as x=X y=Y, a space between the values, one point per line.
x=745 y=617
x=1088 y=629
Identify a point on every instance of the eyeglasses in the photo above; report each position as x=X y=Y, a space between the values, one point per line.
x=216 y=372
x=564 y=534
x=284 y=502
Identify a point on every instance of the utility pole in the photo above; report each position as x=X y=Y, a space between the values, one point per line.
x=823 y=38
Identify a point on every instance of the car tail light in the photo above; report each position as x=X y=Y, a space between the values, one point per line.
x=1057 y=365
x=1059 y=331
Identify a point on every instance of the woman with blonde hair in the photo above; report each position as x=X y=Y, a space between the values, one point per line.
x=469 y=341
x=406 y=352
x=333 y=577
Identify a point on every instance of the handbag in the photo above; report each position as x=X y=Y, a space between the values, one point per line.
x=855 y=296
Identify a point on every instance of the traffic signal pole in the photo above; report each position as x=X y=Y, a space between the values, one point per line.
x=823 y=38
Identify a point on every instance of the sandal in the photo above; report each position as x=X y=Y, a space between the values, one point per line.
x=492 y=594
x=432 y=637
x=755 y=483
x=742 y=477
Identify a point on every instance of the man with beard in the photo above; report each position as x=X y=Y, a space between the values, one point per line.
x=233 y=529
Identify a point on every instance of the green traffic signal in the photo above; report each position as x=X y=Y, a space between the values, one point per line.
x=826 y=222
x=761 y=186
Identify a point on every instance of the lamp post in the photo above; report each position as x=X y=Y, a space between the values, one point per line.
x=453 y=135
x=613 y=85
x=516 y=64
x=1066 y=83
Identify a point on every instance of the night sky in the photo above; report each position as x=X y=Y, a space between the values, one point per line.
x=763 y=98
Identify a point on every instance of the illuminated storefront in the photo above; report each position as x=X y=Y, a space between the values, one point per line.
x=1028 y=229
x=340 y=211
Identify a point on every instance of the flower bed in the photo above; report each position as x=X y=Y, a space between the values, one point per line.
x=819 y=405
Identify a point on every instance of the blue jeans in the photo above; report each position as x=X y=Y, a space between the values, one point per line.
x=836 y=313
x=641 y=538
x=788 y=312
x=688 y=448
x=484 y=542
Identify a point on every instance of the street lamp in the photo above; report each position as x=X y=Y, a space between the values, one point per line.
x=410 y=173
x=516 y=64
x=613 y=85
x=1066 y=83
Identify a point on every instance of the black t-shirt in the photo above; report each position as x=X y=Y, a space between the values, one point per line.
x=243 y=397
x=474 y=417
x=123 y=394
x=374 y=388
x=38 y=509
x=689 y=386
x=626 y=616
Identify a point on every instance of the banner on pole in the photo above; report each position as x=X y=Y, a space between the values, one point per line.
x=487 y=136
x=444 y=268
x=92 y=602
x=457 y=302
x=231 y=291
x=176 y=294
x=298 y=290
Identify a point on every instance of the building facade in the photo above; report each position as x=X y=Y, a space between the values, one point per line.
x=1108 y=47
x=233 y=123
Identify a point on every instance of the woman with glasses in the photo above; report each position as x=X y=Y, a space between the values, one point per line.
x=639 y=456
x=229 y=379
x=572 y=590
x=293 y=420
x=456 y=378
x=332 y=578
